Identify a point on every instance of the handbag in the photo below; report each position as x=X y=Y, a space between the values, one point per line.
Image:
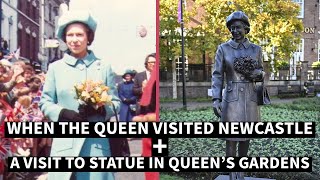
x=262 y=95
x=133 y=108
x=119 y=146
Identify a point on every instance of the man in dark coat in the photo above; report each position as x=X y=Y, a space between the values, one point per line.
x=238 y=102
x=140 y=82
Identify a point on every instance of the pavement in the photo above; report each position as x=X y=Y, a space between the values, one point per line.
x=135 y=150
x=192 y=105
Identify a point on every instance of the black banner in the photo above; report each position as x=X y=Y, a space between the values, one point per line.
x=160 y=129
x=159 y=164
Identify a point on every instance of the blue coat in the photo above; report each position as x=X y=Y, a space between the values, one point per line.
x=126 y=92
x=58 y=93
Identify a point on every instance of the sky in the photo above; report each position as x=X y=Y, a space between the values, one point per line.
x=117 y=37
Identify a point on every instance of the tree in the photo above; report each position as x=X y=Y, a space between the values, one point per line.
x=273 y=22
x=170 y=30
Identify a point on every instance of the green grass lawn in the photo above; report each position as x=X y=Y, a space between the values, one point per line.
x=299 y=110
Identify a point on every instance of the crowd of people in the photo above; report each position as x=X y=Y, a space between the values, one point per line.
x=21 y=87
x=28 y=95
x=133 y=87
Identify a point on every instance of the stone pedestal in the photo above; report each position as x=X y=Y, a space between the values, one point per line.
x=226 y=177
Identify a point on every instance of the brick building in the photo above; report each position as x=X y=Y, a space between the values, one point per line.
x=28 y=29
x=308 y=50
x=29 y=25
x=310 y=43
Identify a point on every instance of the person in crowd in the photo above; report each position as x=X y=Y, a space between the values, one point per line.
x=22 y=88
x=148 y=99
x=28 y=72
x=9 y=75
x=140 y=82
x=5 y=48
x=41 y=146
x=128 y=99
x=58 y=102
x=238 y=102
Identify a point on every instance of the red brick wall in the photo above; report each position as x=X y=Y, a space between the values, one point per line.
x=311 y=21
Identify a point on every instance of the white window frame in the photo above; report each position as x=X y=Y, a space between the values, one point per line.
x=298 y=56
x=300 y=49
x=301 y=4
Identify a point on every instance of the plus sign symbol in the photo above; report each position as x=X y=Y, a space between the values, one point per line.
x=159 y=146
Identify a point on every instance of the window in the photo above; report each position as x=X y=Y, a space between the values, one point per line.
x=19 y=5
x=301 y=4
x=29 y=44
x=294 y=61
x=298 y=55
x=33 y=49
x=31 y=12
x=50 y=55
x=34 y=13
x=50 y=12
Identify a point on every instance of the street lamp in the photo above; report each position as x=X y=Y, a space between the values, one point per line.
x=300 y=69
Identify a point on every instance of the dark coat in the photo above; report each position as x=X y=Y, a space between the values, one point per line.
x=137 y=88
x=127 y=97
x=137 y=91
x=239 y=98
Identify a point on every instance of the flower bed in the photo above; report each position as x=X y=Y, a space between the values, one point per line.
x=302 y=110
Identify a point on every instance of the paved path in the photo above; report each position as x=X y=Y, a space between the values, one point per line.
x=198 y=105
x=136 y=150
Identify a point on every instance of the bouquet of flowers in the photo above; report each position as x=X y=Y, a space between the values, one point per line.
x=94 y=94
x=245 y=65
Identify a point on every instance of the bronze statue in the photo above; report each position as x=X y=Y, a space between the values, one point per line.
x=237 y=67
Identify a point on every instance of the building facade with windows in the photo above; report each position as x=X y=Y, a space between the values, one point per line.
x=51 y=12
x=28 y=29
x=308 y=50
x=9 y=24
x=21 y=28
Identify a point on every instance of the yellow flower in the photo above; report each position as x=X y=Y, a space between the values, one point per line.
x=85 y=95
x=80 y=87
x=93 y=93
x=98 y=90
x=93 y=100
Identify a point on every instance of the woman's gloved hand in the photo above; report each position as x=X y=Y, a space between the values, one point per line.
x=256 y=75
x=126 y=101
x=217 y=107
x=70 y=115
x=87 y=110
